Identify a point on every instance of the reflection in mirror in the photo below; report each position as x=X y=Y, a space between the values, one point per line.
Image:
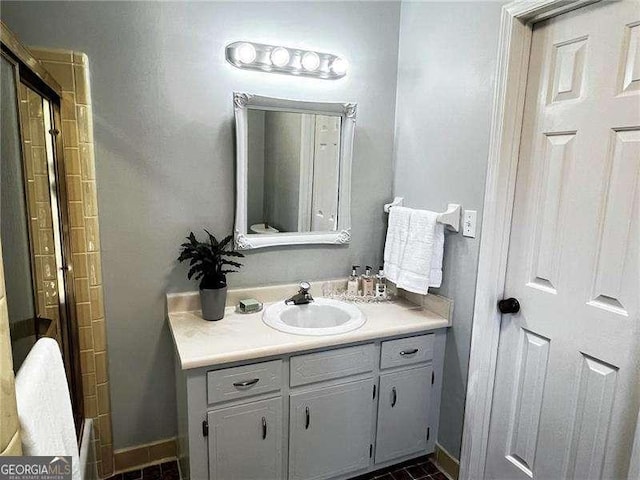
x=14 y=228
x=293 y=171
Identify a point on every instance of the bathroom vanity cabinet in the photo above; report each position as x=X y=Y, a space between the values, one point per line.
x=330 y=413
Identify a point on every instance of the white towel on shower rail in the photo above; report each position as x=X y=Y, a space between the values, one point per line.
x=413 y=249
x=44 y=405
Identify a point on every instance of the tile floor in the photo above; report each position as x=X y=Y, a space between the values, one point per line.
x=164 y=471
x=421 y=468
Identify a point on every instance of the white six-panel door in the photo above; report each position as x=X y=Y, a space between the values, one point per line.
x=567 y=381
x=326 y=174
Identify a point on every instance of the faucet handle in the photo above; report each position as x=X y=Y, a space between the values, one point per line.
x=304 y=286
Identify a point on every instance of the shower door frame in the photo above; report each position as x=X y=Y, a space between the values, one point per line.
x=29 y=71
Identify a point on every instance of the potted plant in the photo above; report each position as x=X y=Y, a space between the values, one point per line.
x=209 y=263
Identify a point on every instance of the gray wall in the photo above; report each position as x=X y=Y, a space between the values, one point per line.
x=446 y=69
x=255 y=167
x=163 y=121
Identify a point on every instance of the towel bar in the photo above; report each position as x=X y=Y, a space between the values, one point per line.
x=450 y=218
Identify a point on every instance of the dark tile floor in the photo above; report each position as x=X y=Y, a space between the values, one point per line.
x=421 y=468
x=164 y=471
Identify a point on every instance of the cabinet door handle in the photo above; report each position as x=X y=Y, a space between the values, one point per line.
x=394 y=397
x=408 y=352
x=307 y=418
x=246 y=383
x=264 y=428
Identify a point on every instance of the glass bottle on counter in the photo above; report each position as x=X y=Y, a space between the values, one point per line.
x=368 y=283
x=353 y=285
x=381 y=284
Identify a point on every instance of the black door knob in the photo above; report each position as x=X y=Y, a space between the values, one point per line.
x=509 y=305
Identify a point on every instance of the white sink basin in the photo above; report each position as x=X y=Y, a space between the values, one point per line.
x=323 y=316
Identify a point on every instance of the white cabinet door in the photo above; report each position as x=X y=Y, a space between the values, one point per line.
x=403 y=413
x=245 y=441
x=330 y=430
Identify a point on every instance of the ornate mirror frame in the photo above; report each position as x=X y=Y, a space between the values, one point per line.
x=245 y=101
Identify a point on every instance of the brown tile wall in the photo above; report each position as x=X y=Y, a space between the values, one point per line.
x=71 y=71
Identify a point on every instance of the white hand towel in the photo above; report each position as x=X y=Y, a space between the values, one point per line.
x=413 y=253
x=435 y=278
x=397 y=235
x=44 y=405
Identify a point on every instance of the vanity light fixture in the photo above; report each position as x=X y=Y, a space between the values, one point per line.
x=292 y=61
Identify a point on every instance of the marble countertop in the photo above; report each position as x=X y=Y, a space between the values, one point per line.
x=240 y=337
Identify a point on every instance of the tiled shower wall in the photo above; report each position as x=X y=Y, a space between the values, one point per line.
x=71 y=71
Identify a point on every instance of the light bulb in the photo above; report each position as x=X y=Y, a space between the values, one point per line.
x=280 y=56
x=246 y=53
x=310 y=61
x=339 y=66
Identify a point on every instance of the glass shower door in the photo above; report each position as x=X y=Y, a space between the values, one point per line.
x=38 y=282
x=14 y=223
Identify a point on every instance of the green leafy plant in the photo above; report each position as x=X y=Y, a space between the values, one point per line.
x=208 y=261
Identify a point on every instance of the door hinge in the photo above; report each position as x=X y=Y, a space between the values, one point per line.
x=433 y=378
x=374 y=391
x=370 y=450
x=428 y=433
x=205 y=428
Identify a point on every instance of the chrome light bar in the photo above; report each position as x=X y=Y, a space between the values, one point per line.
x=287 y=60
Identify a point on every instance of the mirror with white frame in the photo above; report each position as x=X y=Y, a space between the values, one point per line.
x=293 y=171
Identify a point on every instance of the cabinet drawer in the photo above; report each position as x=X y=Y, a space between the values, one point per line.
x=248 y=380
x=321 y=366
x=406 y=351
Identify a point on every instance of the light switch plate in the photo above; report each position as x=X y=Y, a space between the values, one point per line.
x=469 y=223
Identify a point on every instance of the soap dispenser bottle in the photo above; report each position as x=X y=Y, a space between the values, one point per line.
x=367 y=283
x=353 y=285
x=381 y=284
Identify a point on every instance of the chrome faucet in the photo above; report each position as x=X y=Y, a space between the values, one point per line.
x=303 y=297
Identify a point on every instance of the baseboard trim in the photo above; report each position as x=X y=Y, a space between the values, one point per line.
x=140 y=456
x=449 y=464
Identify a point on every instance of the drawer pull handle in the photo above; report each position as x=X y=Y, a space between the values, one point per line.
x=246 y=383
x=408 y=352
x=307 y=418
x=264 y=428
x=394 y=397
